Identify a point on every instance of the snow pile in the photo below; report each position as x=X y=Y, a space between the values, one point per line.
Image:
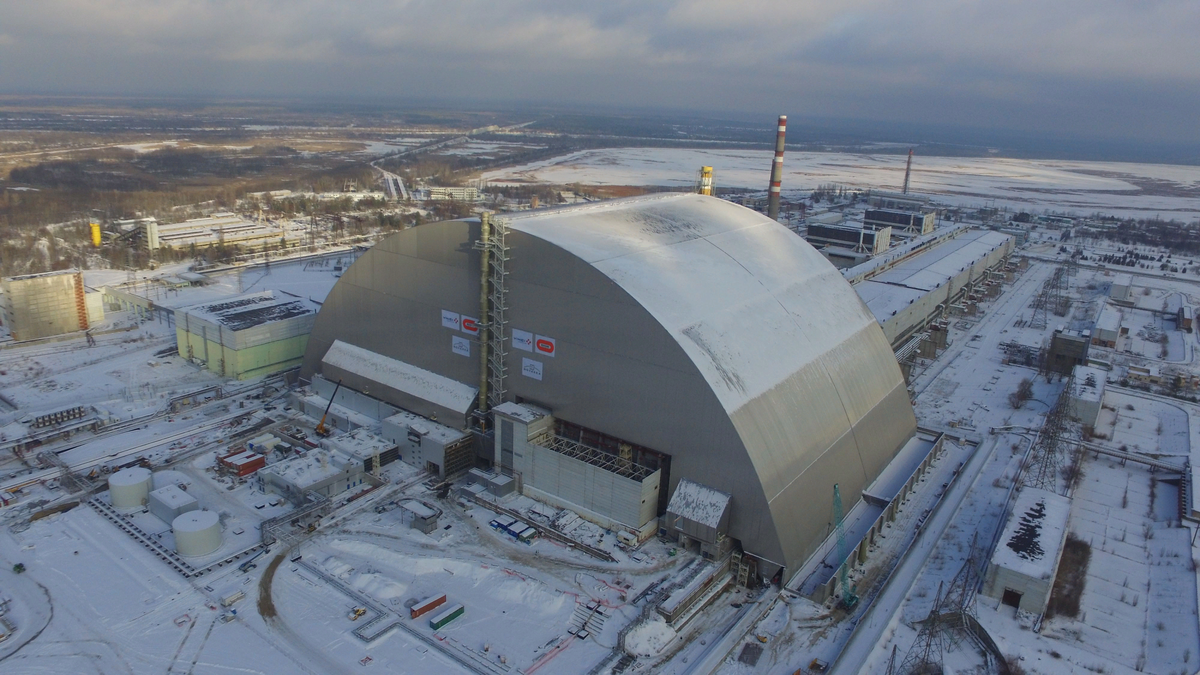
x=650 y=638
x=378 y=586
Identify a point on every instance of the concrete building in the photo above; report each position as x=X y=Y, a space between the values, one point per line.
x=909 y=294
x=437 y=448
x=1121 y=289
x=221 y=229
x=419 y=516
x=364 y=447
x=1108 y=327
x=902 y=201
x=462 y=194
x=170 y=502
x=698 y=517
x=674 y=335
x=1068 y=348
x=903 y=222
x=322 y=471
x=1021 y=572
x=1087 y=395
x=858 y=239
x=613 y=490
x=247 y=335
x=40 y=305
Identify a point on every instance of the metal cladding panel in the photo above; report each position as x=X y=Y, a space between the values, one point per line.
x=682 y=323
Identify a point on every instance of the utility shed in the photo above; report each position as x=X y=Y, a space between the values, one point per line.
x=168 y=503
x=1022 y=569
x=248 y=335
x=699 y=514
x=419 y=515
x=1087 y=394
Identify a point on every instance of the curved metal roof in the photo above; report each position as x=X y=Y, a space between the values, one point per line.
x=685 y=324
x=749 y=301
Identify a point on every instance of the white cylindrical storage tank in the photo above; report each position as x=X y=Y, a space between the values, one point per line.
x=130 y=487
x=197 y=533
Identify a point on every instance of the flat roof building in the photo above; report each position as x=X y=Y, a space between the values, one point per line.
x=247 y=335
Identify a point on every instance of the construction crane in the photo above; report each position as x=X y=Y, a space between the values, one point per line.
x=849 y=599
x=321 y=429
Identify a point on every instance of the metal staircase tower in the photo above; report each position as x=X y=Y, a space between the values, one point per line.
x=497 y=319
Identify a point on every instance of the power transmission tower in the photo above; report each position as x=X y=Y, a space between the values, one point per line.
x=1053 y=442
x=1051 y=299
x=959 y=602
x=925 y=655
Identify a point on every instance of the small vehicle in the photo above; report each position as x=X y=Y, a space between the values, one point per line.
x=356 y=613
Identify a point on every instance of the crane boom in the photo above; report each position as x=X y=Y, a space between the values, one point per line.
x=321 y=429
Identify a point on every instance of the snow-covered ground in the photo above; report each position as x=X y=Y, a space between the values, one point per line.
x=1124 y=189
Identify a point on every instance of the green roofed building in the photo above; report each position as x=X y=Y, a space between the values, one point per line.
x=247 y=335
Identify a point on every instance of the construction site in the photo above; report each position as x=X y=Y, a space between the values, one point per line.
x=666 y=433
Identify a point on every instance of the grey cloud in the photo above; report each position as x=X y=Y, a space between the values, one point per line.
x=1109 y=67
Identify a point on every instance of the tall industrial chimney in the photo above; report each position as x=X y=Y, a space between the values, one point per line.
x=776 y=171
x=907 y=171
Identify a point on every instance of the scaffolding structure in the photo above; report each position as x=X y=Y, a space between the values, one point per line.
x=497 y=319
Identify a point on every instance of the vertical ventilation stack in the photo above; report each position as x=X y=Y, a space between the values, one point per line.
x=704 y=185
x=907 y=171
x=776 y=171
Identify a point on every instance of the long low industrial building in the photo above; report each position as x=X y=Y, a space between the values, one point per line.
x=640 y=342
x=907 y=295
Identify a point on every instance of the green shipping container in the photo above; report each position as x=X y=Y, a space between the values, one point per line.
x=446 y=617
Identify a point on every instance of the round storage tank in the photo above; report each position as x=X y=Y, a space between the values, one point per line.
x=130 y=487
x=197 y=533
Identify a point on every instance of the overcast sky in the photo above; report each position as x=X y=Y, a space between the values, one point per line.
x=1110 y=68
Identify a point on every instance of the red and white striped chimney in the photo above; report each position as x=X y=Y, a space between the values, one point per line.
x=776 y=171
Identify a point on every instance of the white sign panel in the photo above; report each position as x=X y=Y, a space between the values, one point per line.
x=451 y=320
x=470 y=325
x=543 y=345
x=460 y=345
x=531 y=368
x=522 y=340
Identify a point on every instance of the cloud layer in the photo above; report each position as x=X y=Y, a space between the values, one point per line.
x=1110 y=68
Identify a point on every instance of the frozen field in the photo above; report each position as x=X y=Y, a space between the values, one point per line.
x=1130 y=190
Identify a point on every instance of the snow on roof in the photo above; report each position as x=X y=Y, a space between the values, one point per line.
x=253 y=309
x=1109 y=319
x=519 y=412
x=358 y=444
x=1089 y=383
x=1122 y=280
x=748 y=301
x=426 y=427
x=401 y=376
x=172 y=496
x=886 y=300
x=929 y=270
x=417 y=508
x=308 y=470
x=1034 y=534
x=699 y=503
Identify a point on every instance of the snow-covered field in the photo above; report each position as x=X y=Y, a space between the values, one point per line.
x=1124 y=189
